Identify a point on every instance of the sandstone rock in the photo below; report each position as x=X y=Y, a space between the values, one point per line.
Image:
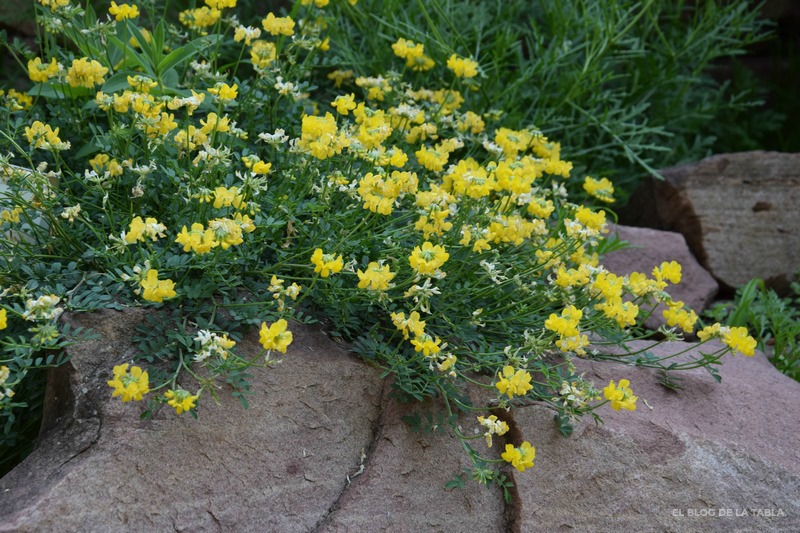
x=652 y=247
x=323 y=448
x=677 y=458
x=402 y=487
x=278 y=466
x=289 y=463
x=738 y=213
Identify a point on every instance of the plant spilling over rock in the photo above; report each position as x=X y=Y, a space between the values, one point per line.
x=231 y=176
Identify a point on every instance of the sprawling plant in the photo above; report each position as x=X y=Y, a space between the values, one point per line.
x=230 y=176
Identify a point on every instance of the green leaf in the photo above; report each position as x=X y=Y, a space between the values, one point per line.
x=179 y=55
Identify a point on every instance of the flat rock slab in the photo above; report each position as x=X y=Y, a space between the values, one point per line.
x=677 y=462
x=320 y=449
x=739 y=214
x=402 y=488
x=650 y=248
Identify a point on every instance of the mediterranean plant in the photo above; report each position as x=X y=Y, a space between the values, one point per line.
x=231 y=176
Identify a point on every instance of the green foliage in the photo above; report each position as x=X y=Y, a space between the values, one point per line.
x=625 y=84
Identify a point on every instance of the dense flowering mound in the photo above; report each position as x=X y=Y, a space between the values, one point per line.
x=232 y=177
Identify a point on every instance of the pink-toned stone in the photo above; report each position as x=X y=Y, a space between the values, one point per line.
x=278 y=466
x=402 y=487
x=649 y=249
x=710 y=446
x=321 y=448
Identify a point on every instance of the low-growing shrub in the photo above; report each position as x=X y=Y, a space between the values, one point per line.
x=231 y=177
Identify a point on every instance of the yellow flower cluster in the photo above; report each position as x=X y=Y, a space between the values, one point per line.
x=428 y=258
x=181 y=400
x=54 y=4
x=86 y=73
x=426 y=344
x=326 y=264
x=129 y=385
x=320 y=136
x=621 y=397
x=200 y=18
x=220 y=4
x=601 y=189
x=43 y=137
x=42 y=72
x=139 y=230
x=279 y=292
x=377 y=277
x=676 y=315
x=156 y=290
x=278 y=25
x=462 y=67
x=412 y=324
x=736 y=338
x=123 y=11
x=566 y=326
x=513 y=382
x=520 y=458
x=379 y=192
x=414 y=54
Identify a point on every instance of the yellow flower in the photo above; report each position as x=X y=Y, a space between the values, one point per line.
x=326 y=264
x=320 y=136
x=620 y=397
x=601 y=189
x=344 y=103
x=426 y=344
x=181 y=400
x=462 y=67
x=224 y=91
x=85 y=73
x=246 y=34
x=677 y=316
x=412 y=324
x=11 y=215
x=737 y=339
x=263 y=53
x=130 y=385
x=376 y=278
x=709 y=332
x=139 y=229
x=278 y=25
x=226 y=197
x=667 y=271
x=275 y=337
x=42 y=136
x=39 y=72
x=428 y=259
x=414 y=54
x=199 y=18
x=123 y=11
x=513 y=382
x=155 y=290
x=520 y=458
x=199 y=240
x=3 y=319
